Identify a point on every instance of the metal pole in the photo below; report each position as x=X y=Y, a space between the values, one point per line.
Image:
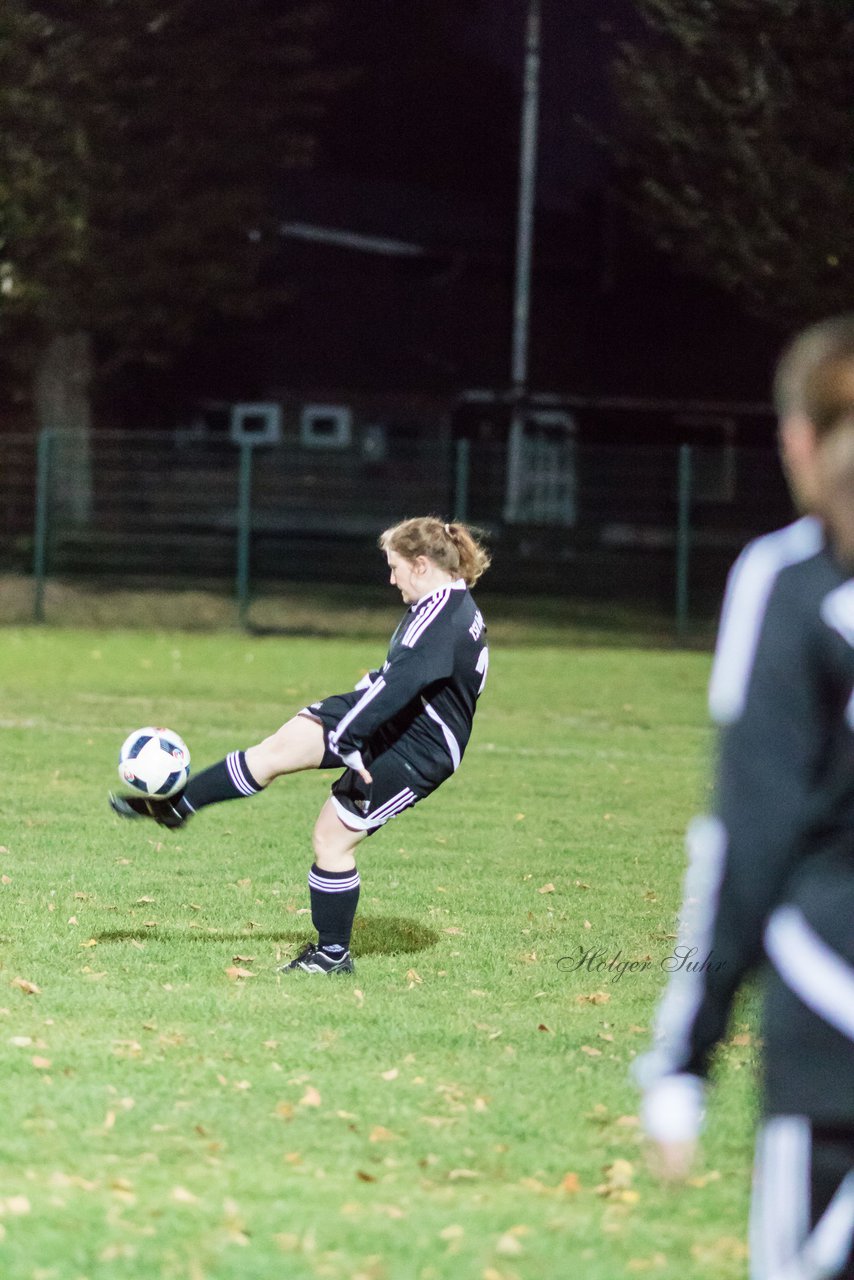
x=524 y=254
x=683 y=539
x=244 y=531
x=461 y=485
x=42 y=519
x=527 y=192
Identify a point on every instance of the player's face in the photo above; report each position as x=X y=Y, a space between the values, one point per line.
x=404 y=575
x=800 y=453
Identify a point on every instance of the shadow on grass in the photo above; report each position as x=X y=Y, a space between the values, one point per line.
x=372 y=936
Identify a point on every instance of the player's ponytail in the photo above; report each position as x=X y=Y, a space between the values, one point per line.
x=453 y=546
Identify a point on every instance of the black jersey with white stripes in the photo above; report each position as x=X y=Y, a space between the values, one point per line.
x=422 y=701
x=782 y=694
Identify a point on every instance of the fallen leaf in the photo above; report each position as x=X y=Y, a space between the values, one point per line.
x=243 y=959
x=182 y=1196
x=543 y=1027
x=144 y=902
x=380 y=1134
x=703 y=1179
x=646 y=1264
x=15 y=1205
x=414 y=979
x=617 y=1184
x=590 y=1051
x=724 y=1249
x=311 y=1097
x=365 y=1177
x=742 y=1039
x=597 y=997
x=28 y=988
x=507 y=1246
x=390 y=1075
x=569 y=1184
x=40 y=1064
x=235 y=973
x=90 y=942
x=546 y=888
x=457 y=1175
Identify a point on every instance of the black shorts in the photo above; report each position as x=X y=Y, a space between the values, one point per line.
x=396 y=784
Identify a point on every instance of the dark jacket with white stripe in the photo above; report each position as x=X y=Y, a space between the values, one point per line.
x=776 y=858
x=423 y=699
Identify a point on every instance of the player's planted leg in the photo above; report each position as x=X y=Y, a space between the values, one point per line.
x=333 y=883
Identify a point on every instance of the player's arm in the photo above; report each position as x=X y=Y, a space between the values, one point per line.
x=740 y=860
x=404 y=677
x=368 y=679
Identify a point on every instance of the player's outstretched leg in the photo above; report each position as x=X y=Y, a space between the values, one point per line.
x=165 y=812
x=333 y=883
x=297 y=745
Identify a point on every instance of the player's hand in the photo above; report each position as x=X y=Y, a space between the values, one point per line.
x=364 y=775
x=671 y=1115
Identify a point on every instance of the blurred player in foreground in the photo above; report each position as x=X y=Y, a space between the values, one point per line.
x=771 y=871
x=398 y=735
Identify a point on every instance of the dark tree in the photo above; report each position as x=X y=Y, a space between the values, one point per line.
x=139 y=142
x=736 y=138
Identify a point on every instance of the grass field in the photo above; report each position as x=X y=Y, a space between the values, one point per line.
x=175 y=1108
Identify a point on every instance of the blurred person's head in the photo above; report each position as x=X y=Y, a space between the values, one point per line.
x=814 y=399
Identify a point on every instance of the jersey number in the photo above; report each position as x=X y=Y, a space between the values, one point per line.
x=483 y=667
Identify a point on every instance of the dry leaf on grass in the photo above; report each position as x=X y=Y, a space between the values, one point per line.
x=311 y=1097
x=546 y=888
x=380 y=1134
x=236 y=974
x=28 y=988
x=596 y=997
x=636 y=1265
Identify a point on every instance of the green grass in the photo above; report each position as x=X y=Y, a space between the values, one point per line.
x=417 y=1122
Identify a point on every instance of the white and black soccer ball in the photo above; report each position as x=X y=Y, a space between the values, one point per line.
x=155 y=762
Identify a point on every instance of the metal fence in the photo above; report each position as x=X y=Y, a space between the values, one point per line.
x=652 y=525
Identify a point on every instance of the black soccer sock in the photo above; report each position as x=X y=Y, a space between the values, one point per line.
x=334 y=898
x=228 y=779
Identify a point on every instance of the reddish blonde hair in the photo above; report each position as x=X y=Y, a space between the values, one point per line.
x=452 y=546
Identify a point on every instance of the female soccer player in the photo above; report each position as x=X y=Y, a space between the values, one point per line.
x=399 y=734
x=773 y=868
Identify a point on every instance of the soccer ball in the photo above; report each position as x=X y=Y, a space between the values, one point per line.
x=155 y=762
